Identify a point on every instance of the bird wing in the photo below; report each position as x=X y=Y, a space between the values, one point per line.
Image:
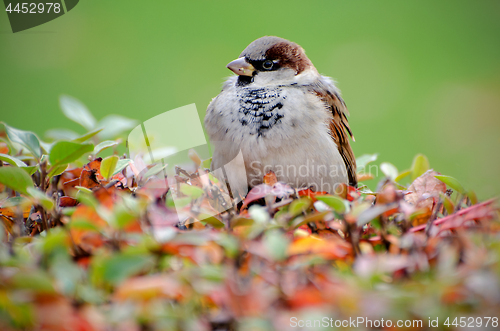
x=339 y=126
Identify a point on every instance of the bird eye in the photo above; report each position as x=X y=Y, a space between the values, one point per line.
x=268 y=64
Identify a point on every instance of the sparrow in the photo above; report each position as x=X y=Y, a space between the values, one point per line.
x=279 y=114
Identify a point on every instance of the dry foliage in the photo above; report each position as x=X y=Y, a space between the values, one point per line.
x=96 y=246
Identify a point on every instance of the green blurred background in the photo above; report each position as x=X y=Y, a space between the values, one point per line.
x=417 y=76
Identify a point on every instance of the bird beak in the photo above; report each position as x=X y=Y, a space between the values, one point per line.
x=241 y=67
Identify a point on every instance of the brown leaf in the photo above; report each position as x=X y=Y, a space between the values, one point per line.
x=91 y=176
x=424 y=195
x=66 y=201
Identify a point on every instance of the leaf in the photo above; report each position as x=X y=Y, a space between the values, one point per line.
x=256 y=193
x=472 y=197
x=389 y=170
x=363 y=160
x=87 y=136
x=276 y=244
x=336 y=203
x=15 y=178
x=54 y=171
x=194 y=157
x=206 y=163
x=26 y=139
x=318 y=216
x=420 y=166
x=154 y=170
x=103 y=145
x=61 y=134
x=402 y=175
x=424 y=195
x=452 y=183
x=12 y=160
x=77 y=112
x=298 y=206
x=191 y=191
x=108 y=166
x=270 y=178
x=40 y=198
x=122 y=164
x=424 y=187
x=329 y=248
x=213 y=221
x=66 y=151
x=113 y=125
x=120 y=267
x=371 y=213
x=147 y=288
x=30 y=169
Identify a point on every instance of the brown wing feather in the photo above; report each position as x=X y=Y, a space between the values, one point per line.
x=339 y=128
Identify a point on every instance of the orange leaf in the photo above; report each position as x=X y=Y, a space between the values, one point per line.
x=270 y=178
x=4 y=149
x=311 y=194
x=329 y=248
x=150 y=287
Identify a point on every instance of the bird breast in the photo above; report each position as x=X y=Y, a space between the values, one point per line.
x=273 y=126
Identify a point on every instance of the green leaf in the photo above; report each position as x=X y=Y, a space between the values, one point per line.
x=389 y=170
x=108 y=165
x=402 y=175
x=40 y=198
x=363 y=160
x=276 y=244
x=83 y=224
x=54 y=171
x=472 y=197
x=30 y=169
x=12 y=160
x=419 y=166
x=241 y=221
x=448 y=204
x=12 y=202
x=103 y=145
x=64 y=152
x=113 y=125
x=77 y=112
x=191 y=191
x=213 y=221
x=206 y=163
x=122 y=164
x=36 y=281
x=46 y=147
x=338 y=204
x=122 y=216
x=87 y=136
x=15 y=178
x=154 y=170
x=298 y=206
x=452 y=183
x=120 y=267
x=26 y=139
x=61 y=134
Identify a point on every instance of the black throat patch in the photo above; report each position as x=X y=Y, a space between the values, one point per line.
x=260 y=108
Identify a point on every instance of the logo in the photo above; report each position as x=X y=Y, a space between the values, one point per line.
x=25 y=15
